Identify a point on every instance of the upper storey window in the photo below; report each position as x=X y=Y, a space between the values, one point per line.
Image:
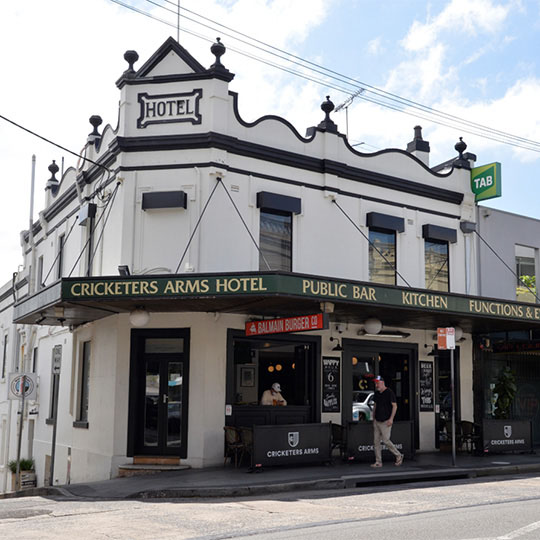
x=383 y=231
x=526 y=274
x=275 y=238
x=275 y=241
x=436 y=256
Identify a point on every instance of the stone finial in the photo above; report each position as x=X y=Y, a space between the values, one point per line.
x=461 y=162
x=218 y=50
x=52 y=183
x=130 y=57
x=461 y=146
x=95 y=121
x=327 y=124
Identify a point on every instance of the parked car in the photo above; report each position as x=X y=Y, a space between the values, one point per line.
x=362 y=405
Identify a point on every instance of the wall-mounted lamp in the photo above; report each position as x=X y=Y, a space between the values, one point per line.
x=139 y=317
x=123 y=270
x=434 y=350
x=372 y=326
x=338 y=347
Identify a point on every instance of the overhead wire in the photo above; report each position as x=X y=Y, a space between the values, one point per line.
x=59 y=253
x=54 y=143
x=467 y=126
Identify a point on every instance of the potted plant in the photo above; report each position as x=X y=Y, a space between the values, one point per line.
x=27 y=476
x=506 y=389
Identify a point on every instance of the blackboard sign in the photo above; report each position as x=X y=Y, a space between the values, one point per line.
x=331 y=396
x=426 y=386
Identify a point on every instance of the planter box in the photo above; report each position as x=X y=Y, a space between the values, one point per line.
x=28 y=480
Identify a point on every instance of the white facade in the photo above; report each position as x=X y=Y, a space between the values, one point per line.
x=202 y=141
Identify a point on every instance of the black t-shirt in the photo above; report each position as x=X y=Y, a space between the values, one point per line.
x=383 y=404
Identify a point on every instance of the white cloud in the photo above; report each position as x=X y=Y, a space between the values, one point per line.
x=374 y=47
x=459 y=16
x=61 y=60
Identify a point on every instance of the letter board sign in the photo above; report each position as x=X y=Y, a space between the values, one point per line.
x=331 y=396
x=290 y=444
x=426 y=386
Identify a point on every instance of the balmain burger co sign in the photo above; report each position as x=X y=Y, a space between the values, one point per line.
x=169 y=108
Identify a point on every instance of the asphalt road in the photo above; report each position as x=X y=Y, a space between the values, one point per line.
x=504 y=508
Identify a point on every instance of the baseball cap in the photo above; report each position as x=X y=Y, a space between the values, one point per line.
x=378 y=378
x=276 y=387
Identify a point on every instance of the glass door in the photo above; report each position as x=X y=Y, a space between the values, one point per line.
x=158 y=395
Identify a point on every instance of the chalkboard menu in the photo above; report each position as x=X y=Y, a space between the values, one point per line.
x=331 y=396
x=426 y=386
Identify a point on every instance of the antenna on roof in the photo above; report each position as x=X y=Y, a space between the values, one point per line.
x=345 y=105
x=178 y=24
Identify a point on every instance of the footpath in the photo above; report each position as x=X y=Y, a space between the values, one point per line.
x=228 y=481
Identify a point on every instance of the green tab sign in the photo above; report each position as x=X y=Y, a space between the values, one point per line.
x=486 y=181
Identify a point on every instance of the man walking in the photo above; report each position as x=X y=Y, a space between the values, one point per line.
x=384 y=410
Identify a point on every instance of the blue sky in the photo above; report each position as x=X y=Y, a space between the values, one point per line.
x=477 y=59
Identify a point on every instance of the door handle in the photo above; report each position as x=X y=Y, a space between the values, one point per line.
x=165 y=398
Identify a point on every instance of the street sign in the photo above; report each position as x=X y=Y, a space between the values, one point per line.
x=16 y=385
x=57 y=359
x=287 y=324
x=446 y=338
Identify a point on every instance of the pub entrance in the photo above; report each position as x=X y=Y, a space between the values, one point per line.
x=254 y=364
x=158 y=406
x=395 y=363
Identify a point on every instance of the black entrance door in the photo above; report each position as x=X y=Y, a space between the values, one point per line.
x=158 y=393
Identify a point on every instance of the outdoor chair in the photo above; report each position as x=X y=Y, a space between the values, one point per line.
x=246 y=436
x=338 y=438
x=233 y=445
x=470 y=436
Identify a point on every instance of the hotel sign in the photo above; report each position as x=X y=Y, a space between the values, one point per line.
x=169 y=108
x=302 y=323
x=212 y=286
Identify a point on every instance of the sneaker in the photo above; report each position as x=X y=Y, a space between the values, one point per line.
x=376 y=464
x=399 y=460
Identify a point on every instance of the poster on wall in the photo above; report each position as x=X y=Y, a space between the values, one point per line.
x=331 y=397
x=426 y=387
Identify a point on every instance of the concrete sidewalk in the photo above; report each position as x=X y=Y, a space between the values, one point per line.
x=230 y=482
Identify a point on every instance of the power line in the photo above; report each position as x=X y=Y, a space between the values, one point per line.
x=53 y=143
x=479 y=129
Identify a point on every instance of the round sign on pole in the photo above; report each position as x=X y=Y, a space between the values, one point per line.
x=16 y=385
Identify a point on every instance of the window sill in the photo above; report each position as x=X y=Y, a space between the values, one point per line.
x=80 y=424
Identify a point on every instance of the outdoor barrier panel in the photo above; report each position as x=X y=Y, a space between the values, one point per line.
x=507 y=436
x=291 y=444
x=360 y=440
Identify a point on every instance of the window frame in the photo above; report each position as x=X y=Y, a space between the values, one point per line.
x=371 y=249
x=272 y=212
x=83 y=385
x=442 y=243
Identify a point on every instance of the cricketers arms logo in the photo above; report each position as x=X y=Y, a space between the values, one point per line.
x=507 y=431
x=293 y=438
